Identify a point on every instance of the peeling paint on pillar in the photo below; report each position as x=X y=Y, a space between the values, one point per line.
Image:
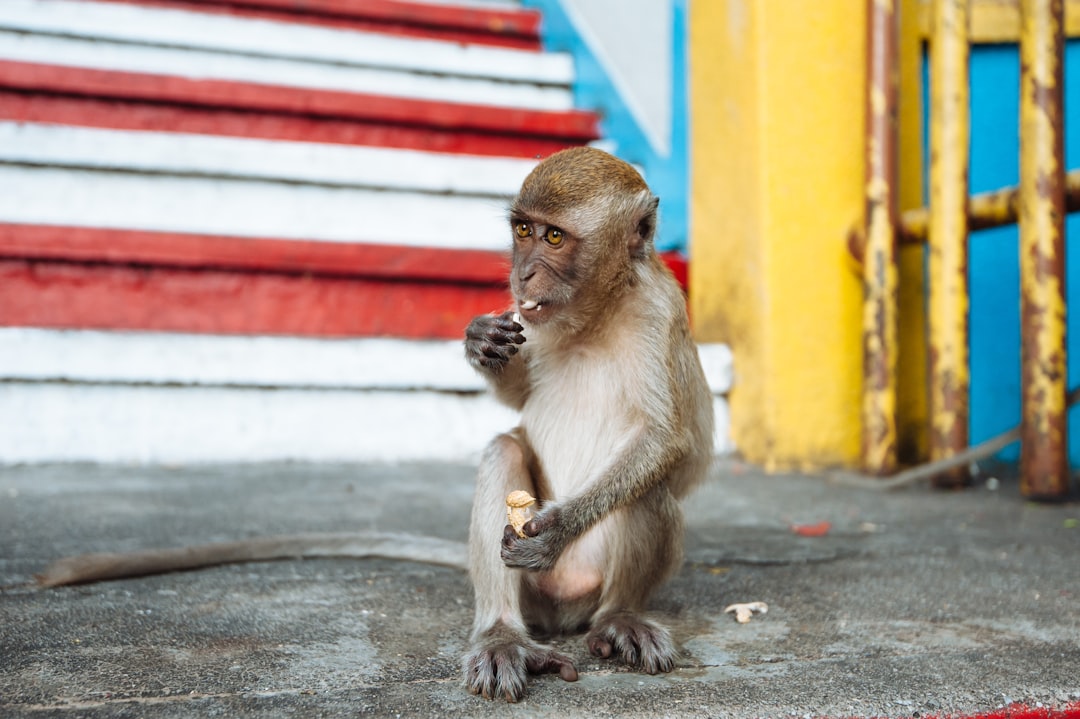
x=948 y=262
x=880 y=271
x=1044 y=452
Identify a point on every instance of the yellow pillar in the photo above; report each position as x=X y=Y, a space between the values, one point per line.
x=777 y=183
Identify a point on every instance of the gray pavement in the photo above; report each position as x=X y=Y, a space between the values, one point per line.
x=915 y=603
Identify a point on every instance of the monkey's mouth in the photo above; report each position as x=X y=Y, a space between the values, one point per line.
x=527 y=305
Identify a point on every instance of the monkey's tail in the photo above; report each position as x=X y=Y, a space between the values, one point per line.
x=86 y=568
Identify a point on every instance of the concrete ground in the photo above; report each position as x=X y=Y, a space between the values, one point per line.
x=914 y=603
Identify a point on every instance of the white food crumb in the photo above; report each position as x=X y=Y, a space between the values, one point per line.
x=743 y=612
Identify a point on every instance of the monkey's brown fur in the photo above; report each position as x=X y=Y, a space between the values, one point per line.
x=358 y=545
x=616 y=427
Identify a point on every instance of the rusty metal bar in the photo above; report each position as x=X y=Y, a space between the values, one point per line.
x=948 y=261
x=880 y=272
x=985 y=210
x=1044 y=464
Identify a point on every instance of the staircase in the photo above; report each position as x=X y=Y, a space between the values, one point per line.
x=254 y=230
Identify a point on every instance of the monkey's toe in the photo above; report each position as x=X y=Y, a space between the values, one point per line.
x=599 y=647
x=549 y=662
x=502 y=659
x=496 y=671
x=638 y=642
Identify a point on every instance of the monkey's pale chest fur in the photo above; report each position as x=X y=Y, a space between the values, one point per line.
x=576 y=421
x=575 y=416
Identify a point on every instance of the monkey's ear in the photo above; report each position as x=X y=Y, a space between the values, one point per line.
x=644 y=225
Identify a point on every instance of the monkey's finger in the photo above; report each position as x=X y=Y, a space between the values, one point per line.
x=506 y=335
x=511 y=329
x=509 y=317
x=494 y=329
x=495 y=337
x=552 y=663
x=510 y=536
x=540 y=523
x=503 y=352
x=495 y=365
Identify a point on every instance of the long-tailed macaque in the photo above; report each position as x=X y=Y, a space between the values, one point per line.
x=616 y=427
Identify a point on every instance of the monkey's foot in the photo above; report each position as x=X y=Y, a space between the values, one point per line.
x=501 y=661
x=639 y=642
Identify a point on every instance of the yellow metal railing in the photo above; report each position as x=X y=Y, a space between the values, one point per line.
x=1039 y=204
x=1044 y=463
x=947 y=309
x=881 y=275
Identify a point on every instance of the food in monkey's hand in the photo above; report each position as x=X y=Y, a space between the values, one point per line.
x=519 y=506
x=743 y=612
x=517 y=317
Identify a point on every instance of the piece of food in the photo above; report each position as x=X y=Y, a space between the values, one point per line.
x=519 y=506
x=743 y=612
x=812 y=530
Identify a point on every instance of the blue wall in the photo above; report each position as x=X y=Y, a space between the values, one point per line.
x=593 y=90
x=994 y=265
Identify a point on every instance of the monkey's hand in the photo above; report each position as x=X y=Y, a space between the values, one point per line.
x=491 y=340
x=542 y=545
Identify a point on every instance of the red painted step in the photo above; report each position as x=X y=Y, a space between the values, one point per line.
x=61 y=295
x=248 y=254
x=33 y=92
x=511 y=27
x=94 y=278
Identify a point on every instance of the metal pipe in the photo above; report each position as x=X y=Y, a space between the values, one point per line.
x=880 y=271
x=985 y=210
x=947 y=267
x=1044 y=464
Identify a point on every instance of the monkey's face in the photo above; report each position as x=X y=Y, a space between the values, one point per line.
x=582 y=217
x=544 y=271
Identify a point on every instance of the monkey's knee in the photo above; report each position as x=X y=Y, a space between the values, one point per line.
x=508 y=452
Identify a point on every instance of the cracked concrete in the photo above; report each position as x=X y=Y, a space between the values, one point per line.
x=917 y=602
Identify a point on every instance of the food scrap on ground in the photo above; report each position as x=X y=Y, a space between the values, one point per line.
x=743 y=612
x=812 y=530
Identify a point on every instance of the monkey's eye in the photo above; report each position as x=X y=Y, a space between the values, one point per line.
x=554 y=237
x=522 y=229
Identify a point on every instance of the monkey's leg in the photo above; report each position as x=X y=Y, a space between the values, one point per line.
x=646 y=550
x=502 y=655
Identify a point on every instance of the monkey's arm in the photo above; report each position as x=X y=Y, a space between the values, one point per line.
x=649 y=456
x=97 y=567
x=492 y=347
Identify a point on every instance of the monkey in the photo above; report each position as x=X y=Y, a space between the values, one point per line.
x=616 y=428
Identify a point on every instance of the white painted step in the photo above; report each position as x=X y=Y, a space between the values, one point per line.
x=149 y=397
x=161 y=358
x=44 y=422
x=57 y=196
x=257 y=159
x=195 y=45
x=106 y=357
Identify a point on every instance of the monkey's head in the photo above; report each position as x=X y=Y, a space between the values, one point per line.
x=581 y=222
